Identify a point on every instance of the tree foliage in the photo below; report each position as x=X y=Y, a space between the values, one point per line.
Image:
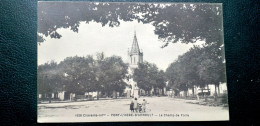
x=148 y=77
x=173 y=22
x=199 y=66
x=83 y=74
x=79 y=75
x=115 y=71
x=48 y=78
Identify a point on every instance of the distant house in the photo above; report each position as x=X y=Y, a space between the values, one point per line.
x=207 y=90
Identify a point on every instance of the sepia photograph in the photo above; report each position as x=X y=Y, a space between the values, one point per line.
x=129 y=62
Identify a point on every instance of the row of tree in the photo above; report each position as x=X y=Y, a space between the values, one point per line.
x=83 y=74
x=198 y=67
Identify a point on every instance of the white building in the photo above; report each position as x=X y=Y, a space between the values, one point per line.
x=221 y=89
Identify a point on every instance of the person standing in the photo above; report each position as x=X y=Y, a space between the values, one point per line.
x=144 y=105
x=135 y=105
x=132 y=106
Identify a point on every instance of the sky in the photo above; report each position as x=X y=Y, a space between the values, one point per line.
x=93 y=38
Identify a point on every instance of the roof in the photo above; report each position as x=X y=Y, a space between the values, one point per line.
x=135 y=47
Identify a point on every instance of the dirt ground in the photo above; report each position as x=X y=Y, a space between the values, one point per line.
x=158 y=109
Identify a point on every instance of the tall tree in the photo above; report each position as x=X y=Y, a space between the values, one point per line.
x=100 y=75
x=160 y=81
x=148 y=77
x=212 y=67
x=115 y=71
x=79 y=74
x=48 y=79
x=142 y=78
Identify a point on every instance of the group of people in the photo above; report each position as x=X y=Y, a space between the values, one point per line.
x=138 y=107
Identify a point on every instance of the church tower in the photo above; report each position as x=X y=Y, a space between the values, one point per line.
x=135 y=56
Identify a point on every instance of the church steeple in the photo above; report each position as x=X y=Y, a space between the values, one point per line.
x=135 y=47
x=135 y=55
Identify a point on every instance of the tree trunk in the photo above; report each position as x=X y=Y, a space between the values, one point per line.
x=215 y=94
x=50 y=98
x=215 y=89
x=114 y=94
x=107 y=94
x=218 y=90
x=198 y=97
x=162 y=92
x=193 y=91
x=97 y=95
x=206 y=97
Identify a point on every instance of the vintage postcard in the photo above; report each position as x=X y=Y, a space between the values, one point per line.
x=114 y=62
